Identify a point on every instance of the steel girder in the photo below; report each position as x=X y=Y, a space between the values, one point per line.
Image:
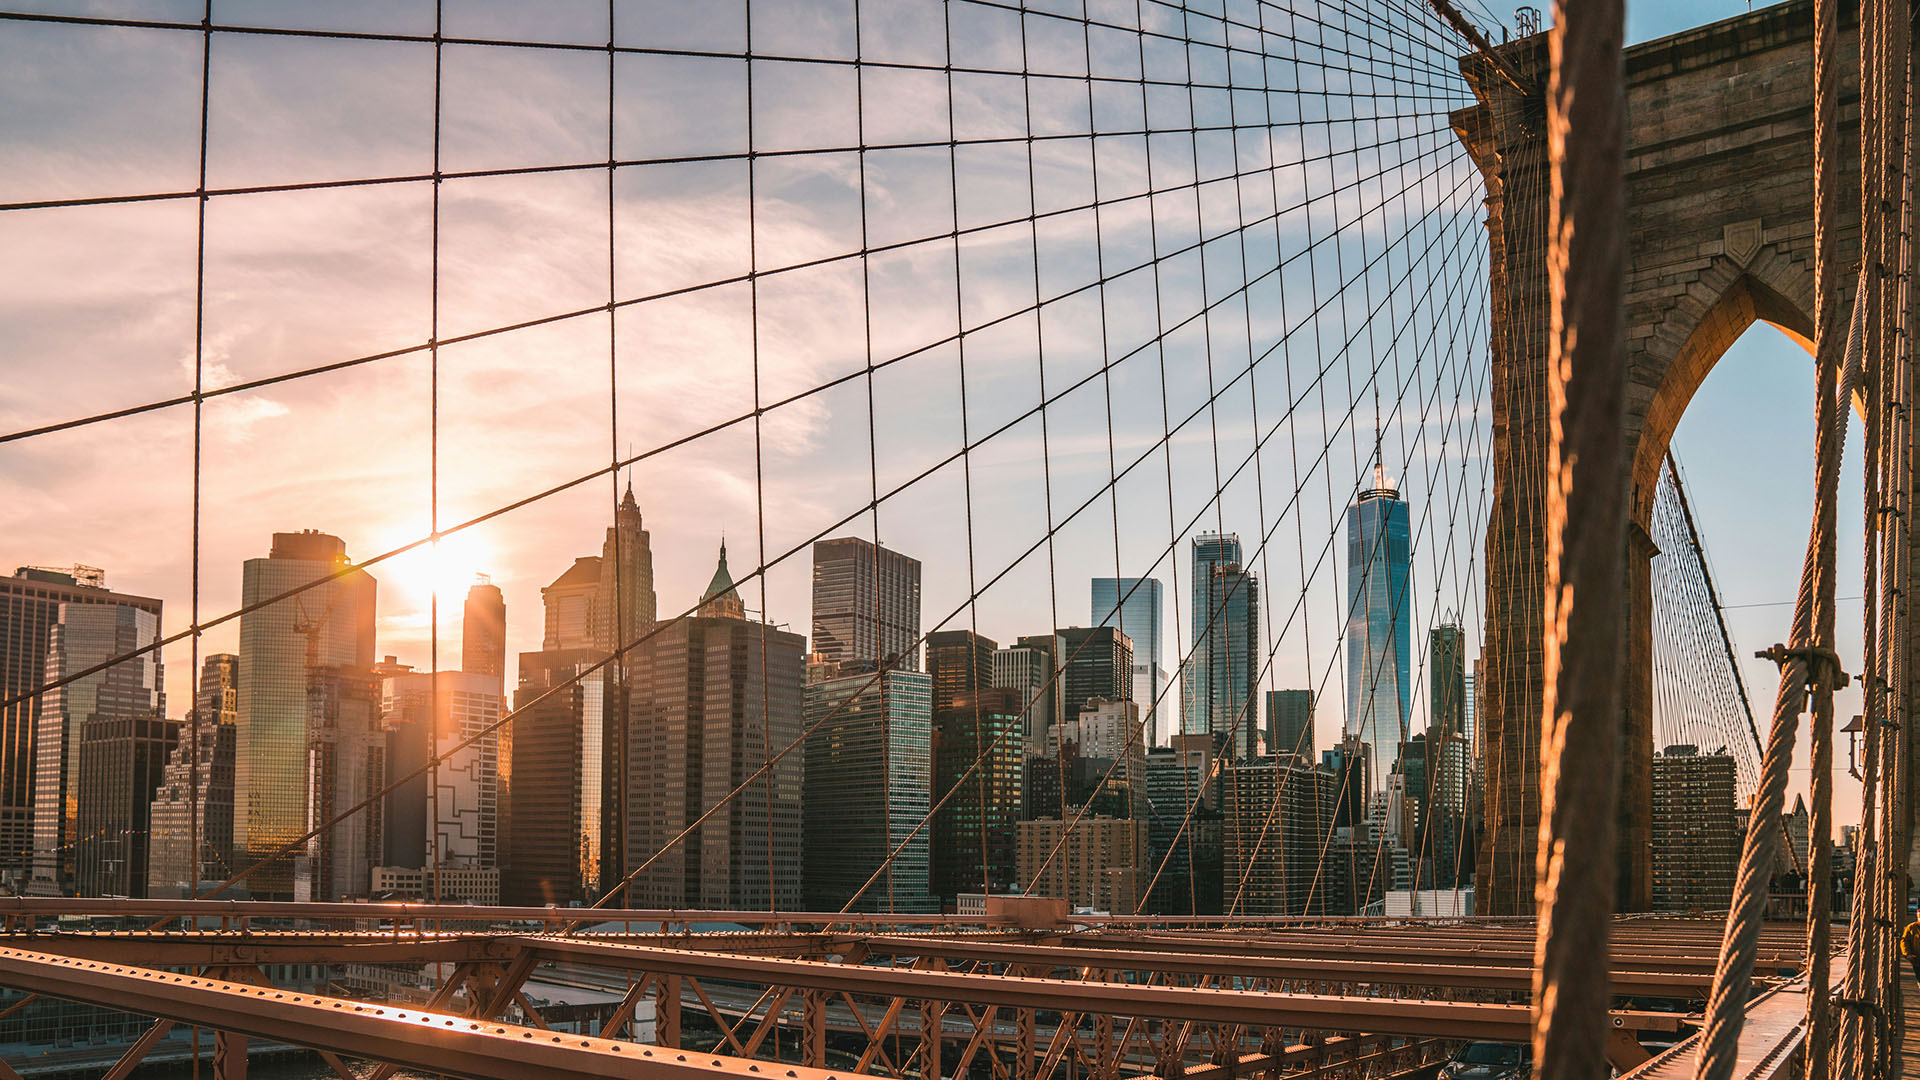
x=1373 y=971
x=1258 y=1009
x=432 y=1041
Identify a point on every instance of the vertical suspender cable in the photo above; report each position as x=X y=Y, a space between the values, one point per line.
x=1811 y=659
x=1586 y=539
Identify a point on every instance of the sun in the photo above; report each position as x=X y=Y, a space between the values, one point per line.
x=446 y=568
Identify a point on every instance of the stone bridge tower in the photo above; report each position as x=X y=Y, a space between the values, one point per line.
x=1719 y=224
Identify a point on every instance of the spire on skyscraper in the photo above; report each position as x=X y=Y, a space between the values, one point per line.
x=722 y=600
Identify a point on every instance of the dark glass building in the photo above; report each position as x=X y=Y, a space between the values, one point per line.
x=1184 y=828
x=869 y=771
x=979 y=748
x=1290 y=724
x=549 y=791
x=1096 y=664
x=122 y=762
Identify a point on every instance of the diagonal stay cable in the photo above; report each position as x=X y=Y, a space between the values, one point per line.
x=657 y=450
x=617 y=654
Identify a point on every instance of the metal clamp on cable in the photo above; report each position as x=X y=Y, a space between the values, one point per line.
x=1815 y=657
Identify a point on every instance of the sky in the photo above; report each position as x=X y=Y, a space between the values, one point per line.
x=1241 y=384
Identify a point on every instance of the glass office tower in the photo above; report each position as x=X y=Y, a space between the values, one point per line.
x=1379 y=624
x=1134 y=606
x=328 y=626
x=1225 y=666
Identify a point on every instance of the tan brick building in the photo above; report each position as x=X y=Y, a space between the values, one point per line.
x=1100 y=866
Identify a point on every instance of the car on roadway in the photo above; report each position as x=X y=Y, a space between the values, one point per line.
x=1489 y=1061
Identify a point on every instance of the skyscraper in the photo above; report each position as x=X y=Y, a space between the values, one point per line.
x=1092 y=861
x=978 y=748
x=467 y=795
x=1379 y=623
x=1290 y=724
x=866 y=604
x=961 y=663
x=568 y=608
x=869 y=774
x=624 y=609
x=1447 y=673
x=346 y=766
x=1096 y=664
x=327 y=626
x=625 y=605
x=1225 y=667
x=122 y=761
x=30 y=603
x=174 y=819
x=483 y=631
x=83 y=635
x=550 y=794
x=1027 y=666
x=1133 y=605
x=1184 y=849
x=714 y=697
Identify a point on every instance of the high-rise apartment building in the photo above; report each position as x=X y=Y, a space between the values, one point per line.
x=978 y=749
x=866 y=604
x=713 y=698
x=1290 y=724
x=1027 y=666
x=194 y=802
x=1095 y=862
x=30 y=603
x=1096 y=663
x=83 y=635
x=1225 y=667
x=1696 y=846
x=328 y=626
x=122 y=762
x=1276 y=820
x=483 y=631
x=1379 y=623
x=1134 y=606
x=424 y=714
x=869 y=773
